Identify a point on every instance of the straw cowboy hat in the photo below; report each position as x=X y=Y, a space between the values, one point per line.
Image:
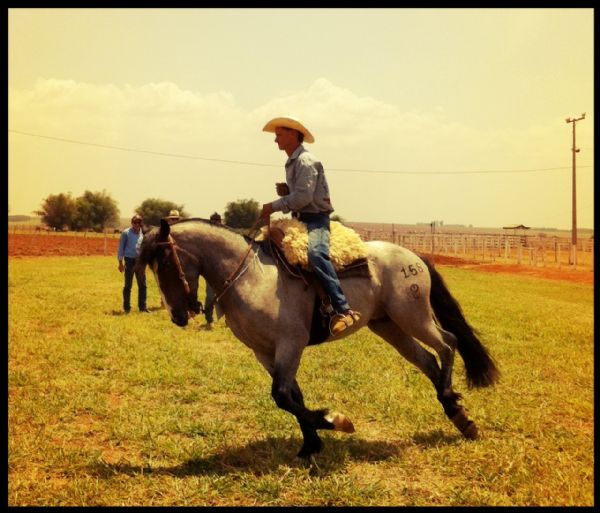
x=288 y=122
x=173 y=214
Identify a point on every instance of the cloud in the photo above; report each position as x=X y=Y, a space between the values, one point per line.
x=151 y=114
x=351 y=131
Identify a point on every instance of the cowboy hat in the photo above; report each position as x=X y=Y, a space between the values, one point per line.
x=288 y=122
x=173 y=214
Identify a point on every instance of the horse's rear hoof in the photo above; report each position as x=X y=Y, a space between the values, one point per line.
x=471 y=433
x=466 y=426
x=340 y=422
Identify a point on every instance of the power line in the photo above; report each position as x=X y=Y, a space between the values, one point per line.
x=108 y=146
x=346 y=170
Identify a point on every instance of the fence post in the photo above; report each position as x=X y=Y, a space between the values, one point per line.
x=544 y=255
x=519 y=253
x=558 y=255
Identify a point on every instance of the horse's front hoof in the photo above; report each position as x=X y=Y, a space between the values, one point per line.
x=310 y=447
x=300 y=461
x=340 y=422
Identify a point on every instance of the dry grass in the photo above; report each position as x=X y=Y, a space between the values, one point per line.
x=110 y=410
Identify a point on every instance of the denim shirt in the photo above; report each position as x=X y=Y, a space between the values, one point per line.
x=129 y=243
x=309 y=191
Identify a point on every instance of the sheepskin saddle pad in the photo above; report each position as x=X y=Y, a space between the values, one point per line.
x=346 y=250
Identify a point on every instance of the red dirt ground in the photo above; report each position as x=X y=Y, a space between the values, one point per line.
x=550 y=273
x=27 y=245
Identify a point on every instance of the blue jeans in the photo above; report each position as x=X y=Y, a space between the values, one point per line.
x=140 y=277
x=209 y=304
x=318 y=259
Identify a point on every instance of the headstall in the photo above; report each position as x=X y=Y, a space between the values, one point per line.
x=170 y=242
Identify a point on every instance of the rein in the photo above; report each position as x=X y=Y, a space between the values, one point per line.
x=238 y=270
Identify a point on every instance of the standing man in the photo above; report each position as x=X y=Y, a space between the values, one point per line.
x=209 y=301
x=129 y=244
x=306 y=195
x=173 y=217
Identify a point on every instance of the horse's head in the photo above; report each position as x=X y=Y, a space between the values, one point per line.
x=176 y=271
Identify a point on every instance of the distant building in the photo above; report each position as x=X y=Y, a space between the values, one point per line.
x=516 y=227
x=521 y=227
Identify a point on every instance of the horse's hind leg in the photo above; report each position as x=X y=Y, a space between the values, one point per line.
x=408 y=347
x=444 y=344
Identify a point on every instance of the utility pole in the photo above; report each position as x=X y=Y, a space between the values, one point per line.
x=574 y=150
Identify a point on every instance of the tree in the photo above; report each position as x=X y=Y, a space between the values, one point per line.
x=241 y=213
x=154 y=209
x=58 y=210
x=95 y=210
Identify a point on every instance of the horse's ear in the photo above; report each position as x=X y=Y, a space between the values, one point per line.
x=165 y=229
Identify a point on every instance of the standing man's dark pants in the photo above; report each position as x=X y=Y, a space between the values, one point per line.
x=140 y=277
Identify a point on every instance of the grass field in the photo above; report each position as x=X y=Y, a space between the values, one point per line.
x=107 y=410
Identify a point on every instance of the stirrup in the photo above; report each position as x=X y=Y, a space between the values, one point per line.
x=347 y=319
x=326 y=309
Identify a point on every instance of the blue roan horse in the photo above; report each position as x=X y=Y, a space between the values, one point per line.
x=404 y=301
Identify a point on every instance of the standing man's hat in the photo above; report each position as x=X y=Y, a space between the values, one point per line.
x=288 y=122
x=173 y=214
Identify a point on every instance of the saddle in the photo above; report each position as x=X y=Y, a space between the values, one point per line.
x=281 y=245
x=273 y=243
x=359 y=267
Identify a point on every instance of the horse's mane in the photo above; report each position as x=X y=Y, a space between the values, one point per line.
x=153 y=231
x=207 y=221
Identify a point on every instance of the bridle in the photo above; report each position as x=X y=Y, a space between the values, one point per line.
x=186 y=286
x=228 y=282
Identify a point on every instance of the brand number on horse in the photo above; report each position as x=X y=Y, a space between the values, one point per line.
x=413 y=270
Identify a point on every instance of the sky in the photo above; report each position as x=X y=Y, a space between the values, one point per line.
x=454 y=115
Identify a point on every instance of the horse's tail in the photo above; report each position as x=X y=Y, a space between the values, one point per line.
x=480 y=366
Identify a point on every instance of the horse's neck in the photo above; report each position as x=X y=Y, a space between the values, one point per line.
x=220 y=252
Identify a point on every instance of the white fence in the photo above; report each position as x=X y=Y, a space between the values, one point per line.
x=492 y=248
x=485 y=248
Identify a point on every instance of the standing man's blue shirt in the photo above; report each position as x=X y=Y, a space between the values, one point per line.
x=129 y=243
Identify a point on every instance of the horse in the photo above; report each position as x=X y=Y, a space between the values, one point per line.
x=405 y=301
